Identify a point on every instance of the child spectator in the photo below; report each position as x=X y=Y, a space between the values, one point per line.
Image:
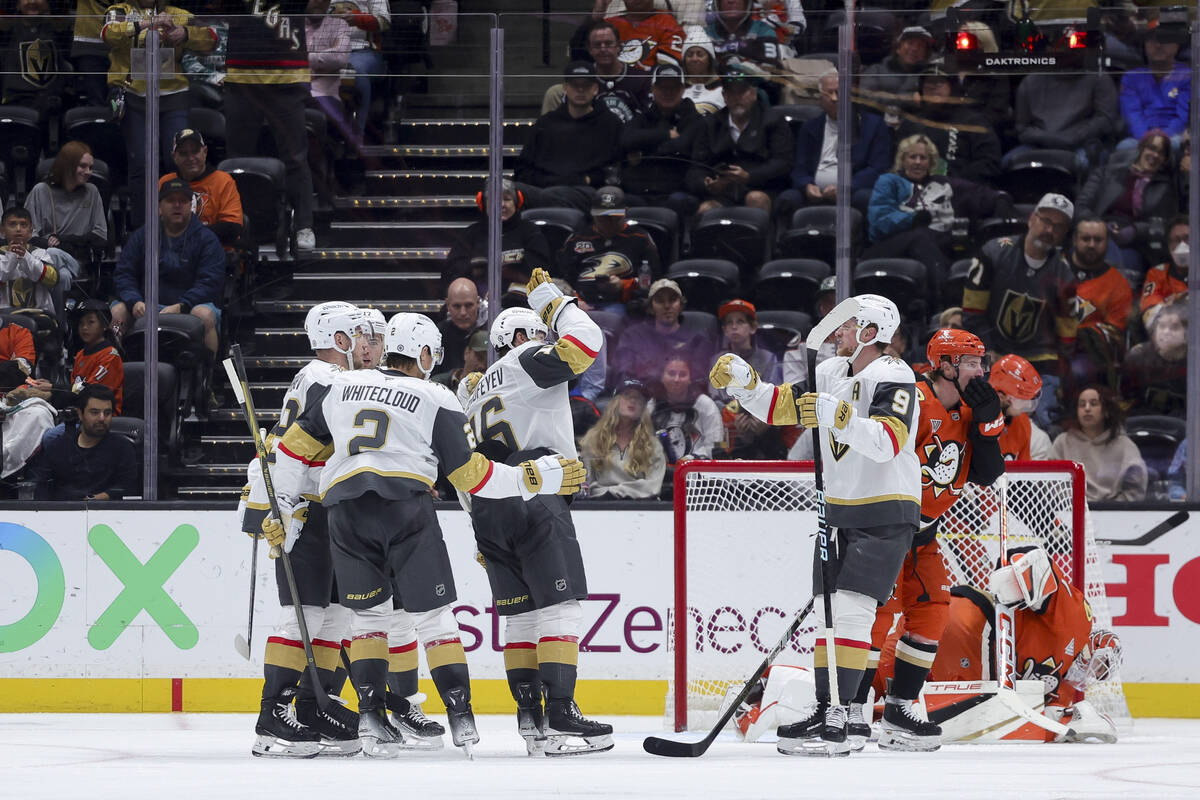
x=1154 y=375
x=1095 y=437
x=739 y=323
x=27 y=274
x=98 y=359
x=623 y=457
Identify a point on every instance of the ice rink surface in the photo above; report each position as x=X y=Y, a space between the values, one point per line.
x=183 y=756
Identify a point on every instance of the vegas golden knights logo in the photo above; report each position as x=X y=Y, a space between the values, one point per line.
x=1019 y=316
x=837 y=448
x=39 y=62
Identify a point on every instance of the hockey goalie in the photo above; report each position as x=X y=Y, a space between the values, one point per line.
x=1058 y=656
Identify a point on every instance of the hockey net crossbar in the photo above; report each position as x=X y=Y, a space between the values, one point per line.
x=743 y=565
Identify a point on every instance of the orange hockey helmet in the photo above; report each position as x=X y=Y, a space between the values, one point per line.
x=1016 y=377
x=955 y=343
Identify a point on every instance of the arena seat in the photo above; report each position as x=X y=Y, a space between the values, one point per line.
x=778 y=327
x=94 y=126
x=736 y=234
x=21 y=142
x=211 y=124
x=556 y=224
x=262 y=184
x=1157 y=437
x=789 y=283
x=663 y=226
x=902 y=280
x=706 y=282
x=813 y=234
x=169 y=403
x=1033 y=173
x=180 y=343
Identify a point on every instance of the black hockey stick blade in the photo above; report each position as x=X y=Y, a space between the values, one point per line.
x=672 y=748
x=1166 y=526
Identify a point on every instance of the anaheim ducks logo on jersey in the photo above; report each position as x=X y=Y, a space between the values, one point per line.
x=1084 y=308
x=1020 y=316
x=602 y=266
x=1046 y=671
x=635 y=50
x=39 y=62
x=941 y=463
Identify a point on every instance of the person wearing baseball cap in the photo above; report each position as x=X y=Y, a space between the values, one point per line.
x=1020 y=297
x=644 y=346
x=623 y=456
x=217 y=201
x=1157 y=95
x=895 y=79
x=739 y=323
x=604 y=262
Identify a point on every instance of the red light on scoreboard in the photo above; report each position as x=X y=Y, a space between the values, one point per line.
x=965 y=40
x=1077 y=40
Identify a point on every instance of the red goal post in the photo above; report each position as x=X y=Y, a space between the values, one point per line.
x=743 y=562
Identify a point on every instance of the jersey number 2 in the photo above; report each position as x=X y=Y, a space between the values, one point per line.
x=376 y=439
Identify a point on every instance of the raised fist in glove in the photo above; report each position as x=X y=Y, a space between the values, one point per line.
x=553 y=475
x=983 y=401
x=283 y=532
x=732 y=371
x=466 y=386
x=544 y=296
x=824 y=410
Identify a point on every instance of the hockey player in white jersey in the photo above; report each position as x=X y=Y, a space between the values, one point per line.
x=335 y=330
x=520 y=409
x=865 y=405
x=383 y=434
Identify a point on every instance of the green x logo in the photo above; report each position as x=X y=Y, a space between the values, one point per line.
x=143 y=587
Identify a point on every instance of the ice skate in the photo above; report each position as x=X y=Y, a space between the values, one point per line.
x=858 y=730
x=904 y=728
x=280 y=735
x=821 y=733
x=569 y=733
x=463 y=732
x=531 y=721
x=336 y=725
x=418 y=731
x=380 y=739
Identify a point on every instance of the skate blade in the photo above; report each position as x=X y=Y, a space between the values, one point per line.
x=468 y=749
x=410 y=742
x=897 y=740
x=813 y=748
x=340 y=748
x=271 y=747
x=535 y=745
x=374 y=748
x=558 y=745
x=857 y=743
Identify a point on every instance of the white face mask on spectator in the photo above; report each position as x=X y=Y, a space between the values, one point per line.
x=1180 y=254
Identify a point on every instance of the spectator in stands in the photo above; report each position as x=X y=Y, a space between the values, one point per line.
x=570 y=148
x=1154 y=374
x=327 y=37
x=98 y=359
x=622 y=89
x=1065 y=112
x=896 y=80
x=1167 y=283
x=739 y=323
x=700 y=66
x=814 y=169
x=191 y=267
x=645 y=346
x=1158 y=95
x=795 y=358
x=86 y=462
x=747 y=152
x=27 y=274
x=68 y=211
x=522 y=245
x=215 y=197
x=951 y=317
x=25 y=414
x=747 y=437
x=462 y=318
x=968 y=146
x=647 y=36
x=607 y=261
x=737 y=33
x=911 y=211
x=989 y=93
x=686 y=420
x=1020 y=297
x=264 y=83
x=474 y=359
x=658 y=145
x=1131 y=192
x=1104 y=300
x=368 y=20
x=1177 y=474
x=623 y=457
x=16 y=344
x=1095 y=437
x=35 y=70
x=89 y=56
x=124 y=30
x=206 y=71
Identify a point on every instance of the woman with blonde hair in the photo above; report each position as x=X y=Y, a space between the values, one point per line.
x=623 y=457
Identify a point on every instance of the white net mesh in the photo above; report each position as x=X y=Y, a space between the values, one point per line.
x=744 y=566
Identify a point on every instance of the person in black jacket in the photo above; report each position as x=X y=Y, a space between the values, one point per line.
x=969 y=147
x=571 y=147
x=86 y=462
x=750 y=170
x=522 y=245
x=658 y=144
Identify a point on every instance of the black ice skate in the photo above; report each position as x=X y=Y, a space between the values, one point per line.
x=904 y=728
x=531 y=721
x=463 y=732
x=279 y=734
x=858 y=730
x=569 y=733
x=336 y=725
x=380 y=739
x=419 y=731
x=821 y=733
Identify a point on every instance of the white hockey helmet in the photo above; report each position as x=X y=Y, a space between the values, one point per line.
x=877 y=310
x=325 y=320
x=409 y=334
x=375 y=319
x=512 y=320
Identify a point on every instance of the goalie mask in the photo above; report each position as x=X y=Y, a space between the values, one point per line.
x=511 y=320
x=1018 y=379
x=1027 y=581
x=325 y=321
x=409 y=334
x=877 y=310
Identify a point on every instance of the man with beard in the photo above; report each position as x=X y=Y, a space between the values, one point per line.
x=85 y=463
x=969 y=147
x=1020 y=297
x=1104 y=301
x=603 y=263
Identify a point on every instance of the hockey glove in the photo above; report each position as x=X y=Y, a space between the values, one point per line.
x=732 y=371
x=285 y=531
x=824 y=410
x=466 y=386
x=985 y=406
x=553 y=475
x=544 y=297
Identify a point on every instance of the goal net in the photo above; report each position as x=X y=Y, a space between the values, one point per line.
x=743 y=566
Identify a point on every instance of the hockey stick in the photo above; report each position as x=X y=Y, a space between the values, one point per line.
x=235 y=368
x=836 y=318
x=1166 y=526
x=1006 y=648
x=657 y=746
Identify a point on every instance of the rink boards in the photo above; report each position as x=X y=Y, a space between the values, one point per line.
x=138 y=610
